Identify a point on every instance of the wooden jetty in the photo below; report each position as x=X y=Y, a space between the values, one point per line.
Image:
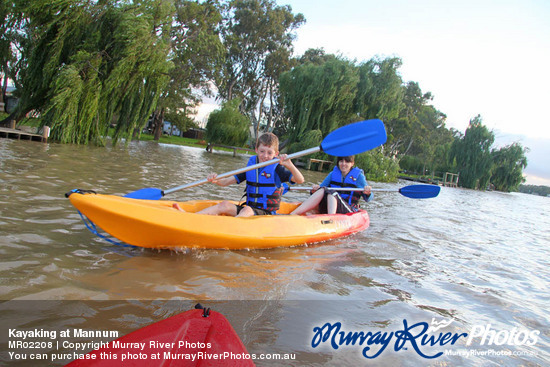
x=320 y=164
x=24 y=135
x=451 y=179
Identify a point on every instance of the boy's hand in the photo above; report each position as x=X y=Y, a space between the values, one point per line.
x=226 y=181
x=212 y=177
x=284 y=162
x=297 y=176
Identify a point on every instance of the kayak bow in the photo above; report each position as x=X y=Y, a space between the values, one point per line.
x=173 y=341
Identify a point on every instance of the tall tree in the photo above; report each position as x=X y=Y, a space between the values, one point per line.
x=432 y=137
x=316 y=56
x=319 y=97
x=406 y=130
x=196 y=52
x=379 y=92
x=258 y=37
x=9 y=40
x=270 y=108
x=228 y=125
x=509 y=163
x=14 y=41
x=472 y=153
x=94 y=63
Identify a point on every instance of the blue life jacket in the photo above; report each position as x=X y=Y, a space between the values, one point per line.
x=352 y=197
x=263 y=187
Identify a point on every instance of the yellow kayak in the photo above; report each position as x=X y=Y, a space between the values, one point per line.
x=156 y=224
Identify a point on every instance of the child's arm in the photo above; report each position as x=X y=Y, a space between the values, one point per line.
x=297 y=176
x=327 y=180
x=222 y=181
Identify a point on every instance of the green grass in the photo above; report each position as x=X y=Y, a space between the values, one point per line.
x=421 y=177
x=175 y=140
x=32 y=121
x=27 y=121
x=165 y=139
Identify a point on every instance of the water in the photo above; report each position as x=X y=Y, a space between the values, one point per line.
x=473 y=258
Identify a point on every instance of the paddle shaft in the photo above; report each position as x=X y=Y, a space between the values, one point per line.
x=336 y=188
x=244 y=169
x=411 y=191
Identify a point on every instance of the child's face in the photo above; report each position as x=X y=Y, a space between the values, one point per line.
x=266 y=153
x=345 y=166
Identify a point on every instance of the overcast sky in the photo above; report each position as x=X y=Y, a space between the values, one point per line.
x=475 y=56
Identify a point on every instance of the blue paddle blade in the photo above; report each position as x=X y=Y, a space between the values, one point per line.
x=420 y=191
x=149 y=193
x=355 y=138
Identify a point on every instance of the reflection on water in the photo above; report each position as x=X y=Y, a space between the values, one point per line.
x=473 y=257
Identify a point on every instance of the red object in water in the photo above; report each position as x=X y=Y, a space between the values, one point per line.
x=197 y=337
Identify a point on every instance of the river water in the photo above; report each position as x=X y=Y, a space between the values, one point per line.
x=476 y=260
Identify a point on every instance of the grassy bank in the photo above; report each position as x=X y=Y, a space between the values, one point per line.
x=164 y=139
x=175 y=140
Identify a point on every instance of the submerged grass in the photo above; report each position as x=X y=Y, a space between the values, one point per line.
x=164 y=139
x=175 y=140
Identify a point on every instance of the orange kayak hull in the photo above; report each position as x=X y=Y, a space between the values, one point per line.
x=156 y=224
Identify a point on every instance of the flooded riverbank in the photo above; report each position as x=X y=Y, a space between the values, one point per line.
x=470 y=258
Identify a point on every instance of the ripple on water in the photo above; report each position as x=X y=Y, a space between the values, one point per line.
x=475 y=257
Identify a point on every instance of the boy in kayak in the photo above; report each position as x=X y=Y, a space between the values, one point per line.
x=263 y=185
x=327 y=201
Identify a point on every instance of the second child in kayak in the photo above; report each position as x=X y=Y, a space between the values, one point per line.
x=264 y=186
x=325 y=200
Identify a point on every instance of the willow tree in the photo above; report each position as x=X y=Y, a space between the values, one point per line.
x=93 y=64
x=379 y=91
x=508 y=163
x=228 y=125
x=319 y=97
x=472 y=154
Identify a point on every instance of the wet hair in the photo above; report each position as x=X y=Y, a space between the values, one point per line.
x=269 y=140
x=349 y=158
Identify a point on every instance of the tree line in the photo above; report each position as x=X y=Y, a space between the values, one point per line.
x=535 y=190
x=87 y=66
